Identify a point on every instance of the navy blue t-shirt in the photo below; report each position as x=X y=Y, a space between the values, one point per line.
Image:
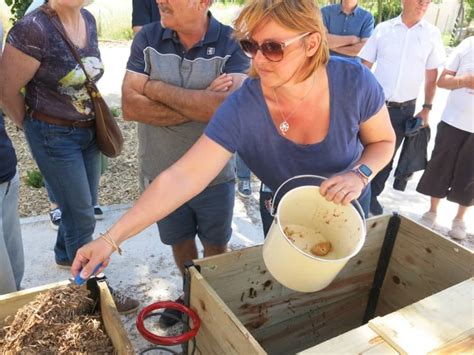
x=144 y=12
x=7 y=155
x=243 y=124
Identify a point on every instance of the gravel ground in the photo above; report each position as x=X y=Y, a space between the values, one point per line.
x=119 y=183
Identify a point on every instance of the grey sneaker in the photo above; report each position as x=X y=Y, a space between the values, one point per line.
x=55 y=218
x=123 y=303
x=244 y=188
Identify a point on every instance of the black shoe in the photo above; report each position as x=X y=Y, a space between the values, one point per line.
x=375 y=207
x=170 y=316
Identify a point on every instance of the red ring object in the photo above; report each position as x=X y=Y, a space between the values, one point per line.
x=172 y=340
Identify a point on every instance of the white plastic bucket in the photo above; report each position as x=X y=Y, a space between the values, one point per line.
x=304 y=207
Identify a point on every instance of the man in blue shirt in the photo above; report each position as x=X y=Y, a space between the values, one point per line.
x=144 y=12
x=179 y=71
x=349 y=27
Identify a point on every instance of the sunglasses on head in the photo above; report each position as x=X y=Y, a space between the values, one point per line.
x=272 y=50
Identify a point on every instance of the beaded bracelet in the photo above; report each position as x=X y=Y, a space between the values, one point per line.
x=106 y=236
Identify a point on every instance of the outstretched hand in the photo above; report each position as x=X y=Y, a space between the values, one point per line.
x=342 y=189
x=89 y=256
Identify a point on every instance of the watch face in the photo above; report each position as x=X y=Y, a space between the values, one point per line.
x=364 y=169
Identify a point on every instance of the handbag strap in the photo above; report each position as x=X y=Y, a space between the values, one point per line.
x=54 y=18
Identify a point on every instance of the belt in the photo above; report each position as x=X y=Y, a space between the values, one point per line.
x=392 y=104
x=61 y=121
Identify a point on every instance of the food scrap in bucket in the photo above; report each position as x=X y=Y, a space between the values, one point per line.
x=308 y=240
x=321 y=249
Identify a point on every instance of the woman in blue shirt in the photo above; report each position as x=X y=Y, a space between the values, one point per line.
x=299 y=113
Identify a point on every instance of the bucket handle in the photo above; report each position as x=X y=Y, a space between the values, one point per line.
x=354 y=202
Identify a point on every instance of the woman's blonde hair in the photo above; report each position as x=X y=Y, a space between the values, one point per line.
x=296 y=15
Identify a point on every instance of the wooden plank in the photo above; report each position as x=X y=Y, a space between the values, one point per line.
x=361 y=340
x=423 y=262
x=258 y=300
x=221 y=332
x=431 y=323
x=11 y=302
x=112 y=322
x=307 y=330
x=464 y=344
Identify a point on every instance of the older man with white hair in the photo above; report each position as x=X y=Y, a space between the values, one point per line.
x=179 y=71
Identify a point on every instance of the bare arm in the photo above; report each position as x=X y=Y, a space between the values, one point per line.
x=378 y=138
x=16 y=70
x=450 y=81
x=367 y=63
x=351 y=50
x=138 y=107
x=136 y=29
x=176 y=185
x=189 y=102
x=336 y=41
x=430 y=89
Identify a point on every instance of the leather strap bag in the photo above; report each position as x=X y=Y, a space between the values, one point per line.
x=109 y=136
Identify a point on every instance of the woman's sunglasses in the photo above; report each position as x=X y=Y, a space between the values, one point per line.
x=271 y=50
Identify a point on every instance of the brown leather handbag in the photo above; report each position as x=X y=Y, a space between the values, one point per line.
x=109 y=136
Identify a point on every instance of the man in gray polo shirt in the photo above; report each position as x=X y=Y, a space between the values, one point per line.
x=179 y=71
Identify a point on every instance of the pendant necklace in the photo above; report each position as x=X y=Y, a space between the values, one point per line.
x=285 y=126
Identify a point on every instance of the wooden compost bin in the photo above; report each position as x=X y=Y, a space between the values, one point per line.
x=10 y=303
x=244 y=310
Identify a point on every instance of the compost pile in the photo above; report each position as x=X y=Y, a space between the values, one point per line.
x=60 y=320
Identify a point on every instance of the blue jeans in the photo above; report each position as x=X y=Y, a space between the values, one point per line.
x=11 y=246
x=69 y=160
x=242 y=171
x=95 y=197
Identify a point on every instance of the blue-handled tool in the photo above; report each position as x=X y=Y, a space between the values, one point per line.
x=79 y=280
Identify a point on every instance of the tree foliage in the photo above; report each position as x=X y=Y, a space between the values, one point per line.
x=18 y=8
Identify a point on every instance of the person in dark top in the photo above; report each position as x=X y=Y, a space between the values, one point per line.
x=299 y=113
x=11 y=247
x=57 y=115
x=144 y=12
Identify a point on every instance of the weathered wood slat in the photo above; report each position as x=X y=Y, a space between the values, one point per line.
x=112 y=322
x=361 y=340
x=259 y=301
x=431 y=323
x=220 y=332
x=423 y=262
x=463 y=344
x=307 y=330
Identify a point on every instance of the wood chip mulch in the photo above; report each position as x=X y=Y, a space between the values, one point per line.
x=57 y=321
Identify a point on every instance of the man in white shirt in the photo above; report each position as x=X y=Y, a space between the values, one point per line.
x=407 y=50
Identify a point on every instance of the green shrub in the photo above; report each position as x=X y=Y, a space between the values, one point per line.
x=18 y=8
x=34 y=179
x=116 y=111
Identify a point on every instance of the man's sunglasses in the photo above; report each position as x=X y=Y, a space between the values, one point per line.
x=271 y=50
